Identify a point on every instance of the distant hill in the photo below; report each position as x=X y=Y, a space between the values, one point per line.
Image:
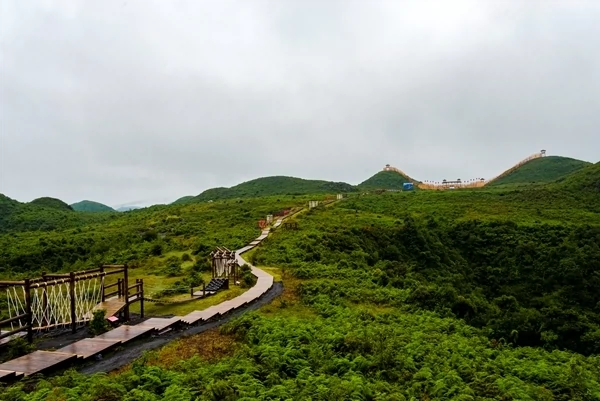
x=540 y=171
x=52 y=203
x=91 y=206
x=276 y=185
x=183 y=200
x=43 y=214
x=127 y=208
x=385 y=180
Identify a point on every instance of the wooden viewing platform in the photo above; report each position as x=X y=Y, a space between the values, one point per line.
x=43 y=361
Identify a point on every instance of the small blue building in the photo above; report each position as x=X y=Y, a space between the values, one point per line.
x=407 y=186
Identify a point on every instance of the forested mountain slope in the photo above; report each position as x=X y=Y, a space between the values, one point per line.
x=44 y=214
x=276 y=185
x=52 y=203
x=183 y=200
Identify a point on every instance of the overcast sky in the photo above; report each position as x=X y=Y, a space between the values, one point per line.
x=141 y=102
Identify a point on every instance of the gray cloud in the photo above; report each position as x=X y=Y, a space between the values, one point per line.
x=121 y=101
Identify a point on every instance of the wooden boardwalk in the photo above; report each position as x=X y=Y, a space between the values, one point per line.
x=43 y=361
x=37 y=362
x=112 y=306
x=89 y=347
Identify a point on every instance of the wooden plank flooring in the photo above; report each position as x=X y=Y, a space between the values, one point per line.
x=37 y=362
x=125 y=333
x=7 y=375
x=159 y=324
x=89 y=347
x=200 y=315
x=111 y=306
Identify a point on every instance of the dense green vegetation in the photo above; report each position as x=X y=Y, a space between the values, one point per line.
x=128 y=208
x=45 y=214
x=455 y=295
x=183 y=199
x=130 y=238
x=531 y=285
x=385 y=180
x=51 y=203
x=585 y=182
x=542 y=170
x=273 y=186
x=91 y=206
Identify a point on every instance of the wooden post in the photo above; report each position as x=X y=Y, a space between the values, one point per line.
x=28 y=311
x=203 y=289
x=119 y=287
x=191 y=292
x=140 y=290
x=126 y=291
x=72 y=293
x=45 y=321
x=102 y=292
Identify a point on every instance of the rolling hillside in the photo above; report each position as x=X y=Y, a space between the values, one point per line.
x=51 y=203
x=91 y=206
x=43 y=214
x=385 y=180
x=586 y=180
x=543 y=170
x=183 y=200
x=276 y=185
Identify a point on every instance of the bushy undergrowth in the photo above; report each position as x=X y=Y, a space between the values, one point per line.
x=528 y=285
x=345 y=354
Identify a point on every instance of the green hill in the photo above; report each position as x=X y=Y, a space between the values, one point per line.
x=183 y=200
x=542 y=170
x=43 y=214
x=586 y=179
x=276 y=185
x=385 y=180
x=51 y=203
x=91 y=206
